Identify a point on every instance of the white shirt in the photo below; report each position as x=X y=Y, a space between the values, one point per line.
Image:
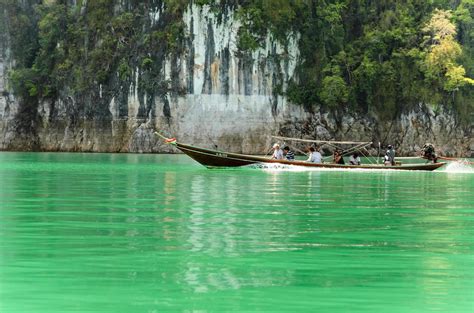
x=354 y=161
x=278 y=154
x=314 y=157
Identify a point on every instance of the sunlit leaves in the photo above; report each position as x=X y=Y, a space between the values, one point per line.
x=455 y=78
x=441 y=60
x=440 y=26
x=443 y=54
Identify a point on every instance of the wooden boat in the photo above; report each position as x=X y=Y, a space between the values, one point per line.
x=214 y=158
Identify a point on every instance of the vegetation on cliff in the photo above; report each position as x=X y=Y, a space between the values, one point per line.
x=356 y=55
x=382 y=56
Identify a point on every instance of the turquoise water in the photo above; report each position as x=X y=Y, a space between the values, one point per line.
x=155 y=233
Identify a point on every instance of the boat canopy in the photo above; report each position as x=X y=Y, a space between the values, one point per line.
x=325 y=141
x=359 y=146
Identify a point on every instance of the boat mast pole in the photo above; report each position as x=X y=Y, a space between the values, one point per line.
x=378 y=154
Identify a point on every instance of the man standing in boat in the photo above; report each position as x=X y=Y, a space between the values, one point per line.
x=277 y=152
x=390 y=156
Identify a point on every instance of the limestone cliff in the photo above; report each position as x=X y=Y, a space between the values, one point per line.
x=215 y=96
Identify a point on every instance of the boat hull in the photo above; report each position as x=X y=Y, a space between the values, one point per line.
x=214 y=158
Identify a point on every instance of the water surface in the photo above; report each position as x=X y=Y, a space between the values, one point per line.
x=154 y=233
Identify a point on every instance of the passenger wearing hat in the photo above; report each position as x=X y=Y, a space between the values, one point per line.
x=389 y=158
x=277 y=152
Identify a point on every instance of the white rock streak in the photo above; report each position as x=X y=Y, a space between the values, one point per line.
x=236 y=100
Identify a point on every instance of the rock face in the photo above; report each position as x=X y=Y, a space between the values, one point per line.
x=229 y=102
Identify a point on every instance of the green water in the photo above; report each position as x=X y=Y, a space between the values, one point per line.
x=160 y=233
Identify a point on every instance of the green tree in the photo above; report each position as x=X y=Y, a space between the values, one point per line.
x=444 y=50
x=334 y=91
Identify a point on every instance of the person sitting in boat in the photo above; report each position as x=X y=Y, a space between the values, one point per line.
x=277 y=152
x=314 y=155
x=389 y=158
x=289 y=155
x=428 y=152
x=354 y=159
x=338 y=158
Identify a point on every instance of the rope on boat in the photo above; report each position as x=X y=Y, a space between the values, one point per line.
x=356 y=148
x=366 y=155
x=301 y=151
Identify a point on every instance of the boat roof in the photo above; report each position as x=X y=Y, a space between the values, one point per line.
x=325 y=141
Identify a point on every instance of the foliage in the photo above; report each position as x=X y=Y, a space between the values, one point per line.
x=443 y=53
x=379 y=57
x=334 y=91
x=24 y=38
x=24 y=81
x=261 y=17
x=456 y=78
x=57 y=45
x=382 y=56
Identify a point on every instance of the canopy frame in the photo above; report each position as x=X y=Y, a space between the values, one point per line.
x=324 y=141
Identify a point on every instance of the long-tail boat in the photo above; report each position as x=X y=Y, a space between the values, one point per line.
x=214 y=158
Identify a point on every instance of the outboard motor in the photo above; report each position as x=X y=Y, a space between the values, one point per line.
x=428 y=152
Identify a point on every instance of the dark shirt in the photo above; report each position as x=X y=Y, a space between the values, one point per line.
x=290 y=156
x=340 y=161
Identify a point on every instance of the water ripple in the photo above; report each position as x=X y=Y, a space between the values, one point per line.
x=144 y=233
